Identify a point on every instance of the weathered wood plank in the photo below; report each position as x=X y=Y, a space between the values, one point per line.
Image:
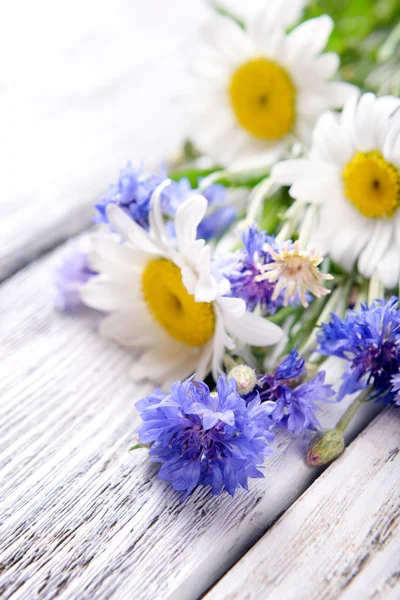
x=94 y=84
x=341 y=539
x=80 y=517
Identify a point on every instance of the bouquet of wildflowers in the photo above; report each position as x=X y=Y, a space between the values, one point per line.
x=269 y=244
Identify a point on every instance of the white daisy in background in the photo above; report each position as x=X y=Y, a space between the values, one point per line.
x=259 y=89
x=162 y=297
x=353 y=174
x=242 y=11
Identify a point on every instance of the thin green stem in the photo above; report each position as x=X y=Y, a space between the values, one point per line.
x=346 y=418
x=310 y=345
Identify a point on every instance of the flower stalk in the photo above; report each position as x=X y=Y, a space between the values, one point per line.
x=347 y=417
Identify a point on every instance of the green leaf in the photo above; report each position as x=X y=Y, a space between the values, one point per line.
x=137 y=446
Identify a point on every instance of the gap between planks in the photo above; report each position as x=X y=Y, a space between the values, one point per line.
x=341 y=539
x=80 y=517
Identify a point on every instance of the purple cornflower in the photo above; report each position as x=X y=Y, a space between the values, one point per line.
x=204 y=438
x=369 y=340
x=71 y=272
x=294 y=404
x=242 y=274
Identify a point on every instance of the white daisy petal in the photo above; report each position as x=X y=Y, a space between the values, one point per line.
x=156 y=219
x=364 y=127
x=121 y=262
x=310 y=37
x=376 y=247
x=102 y=294
x=389 y=267
x=391 y=147
x=329 y=143
x=384 y=108
x=396 y=219
x=228 y=38
x=204 y=361
x=253 y=329
x=220 y=343
x=312 y=190
x=347 y=119
x=188 y=216
x=288 y=171
x=133 y=330
x=206 y=288
x=131 y=231
x=327 y=64
x=340 y=92
x=236 y=307
x=156 y=364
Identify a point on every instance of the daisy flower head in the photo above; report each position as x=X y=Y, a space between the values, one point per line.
x=242 y=272
x=369 y=340
x=353 y=176
x=263 y=87
x=162 y=296
x=268 y=274
x=294 y=272
x=202 y=438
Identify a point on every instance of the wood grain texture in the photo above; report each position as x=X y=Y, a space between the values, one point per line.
x=341 y=539
x=94 y=84
x=81 y=517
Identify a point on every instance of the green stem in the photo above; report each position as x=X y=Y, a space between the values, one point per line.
x=346 y=418
x=227 y=179
x=330 y=306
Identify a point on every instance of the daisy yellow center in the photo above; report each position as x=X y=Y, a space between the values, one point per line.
x=372 y=184
x=263 y=99
x=173 y=307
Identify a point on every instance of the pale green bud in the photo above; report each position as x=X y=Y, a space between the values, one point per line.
x=246 y=378
x=327 y=445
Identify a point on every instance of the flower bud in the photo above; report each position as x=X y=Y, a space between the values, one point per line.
x=246 y=378
x=327 y=445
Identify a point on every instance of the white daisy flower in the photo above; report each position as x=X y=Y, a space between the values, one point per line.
x=162 y=296
x=258 y=89
x=353 y=174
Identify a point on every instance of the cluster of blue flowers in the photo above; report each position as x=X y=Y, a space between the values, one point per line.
x=133 y=191
x=220 y=438
x=294 y=402
x=369 y=340
x=204 y=438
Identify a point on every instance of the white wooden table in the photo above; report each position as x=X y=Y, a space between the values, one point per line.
x=87 y=86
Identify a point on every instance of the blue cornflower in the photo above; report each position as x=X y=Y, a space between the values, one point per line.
x=247 y=266
x=396 y=388
x=294 y=404
x=216 y=223
x=71 y=271
x=132 y=192
x=369 y=340
x=204 y=438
